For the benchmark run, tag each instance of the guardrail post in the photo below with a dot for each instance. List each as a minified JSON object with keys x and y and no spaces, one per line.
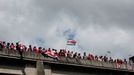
{"x":40,"y":68}
{"x":47,"y":69}
{"x":30,"y":70}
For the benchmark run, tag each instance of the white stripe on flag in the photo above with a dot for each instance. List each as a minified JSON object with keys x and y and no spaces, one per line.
{"x":71,"y":42}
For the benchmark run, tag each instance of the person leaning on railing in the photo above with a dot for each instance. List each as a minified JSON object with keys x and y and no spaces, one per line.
{"x":75,"y":55}
{"x":105,"y":59}
{"x":62,"y":53}
{"x":36,"y":51}
{"x":90,"y":57}
{"x":30,"y":48}
{"x":111,"y":60}
{"x":2,"y":44}
{"x":79,"y":56}
{"x":69,"y":54}
{"x":125,"y":61}
{"x":8,"y":46}
{"x":12,"y":47}
{"x":18,"y":48}
{"x":96,"y":58}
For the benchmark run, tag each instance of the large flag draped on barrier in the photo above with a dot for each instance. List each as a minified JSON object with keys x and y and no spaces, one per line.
{"x":50,"y":53}
{"x":71,"y":42}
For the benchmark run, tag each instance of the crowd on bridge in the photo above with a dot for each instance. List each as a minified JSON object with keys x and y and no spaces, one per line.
{"x":53,"y":53}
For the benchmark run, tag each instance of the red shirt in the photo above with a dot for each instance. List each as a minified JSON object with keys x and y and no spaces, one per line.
{"x":11,"y":46}
{"x":36,"y":50}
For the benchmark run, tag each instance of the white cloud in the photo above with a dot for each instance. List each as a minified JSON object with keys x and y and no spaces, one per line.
{"x":97,"y":26}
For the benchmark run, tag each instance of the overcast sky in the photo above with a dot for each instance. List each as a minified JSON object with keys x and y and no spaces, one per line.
{"x":98,"y":26}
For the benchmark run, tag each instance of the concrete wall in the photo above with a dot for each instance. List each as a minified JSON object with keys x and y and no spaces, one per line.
{"x":73,"y":70}
{"x":11,"y":71}
{"x":30,"y":71}
{"x":68,"y":73}
{"x":40,"y":68}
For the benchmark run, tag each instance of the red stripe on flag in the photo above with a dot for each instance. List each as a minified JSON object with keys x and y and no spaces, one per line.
{"x":71,"y":42}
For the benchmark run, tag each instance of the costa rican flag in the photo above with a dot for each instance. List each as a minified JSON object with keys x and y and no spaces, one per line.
{"x":51,"y":54}
{"x":71,"y":42}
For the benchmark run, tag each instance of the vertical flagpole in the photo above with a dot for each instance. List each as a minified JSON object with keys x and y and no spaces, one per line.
{"x":66,"y":45}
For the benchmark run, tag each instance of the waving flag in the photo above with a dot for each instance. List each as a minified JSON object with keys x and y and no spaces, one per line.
{"x":71,"y":42}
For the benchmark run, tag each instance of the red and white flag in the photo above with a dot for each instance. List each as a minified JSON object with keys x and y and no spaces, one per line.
{"x":50,"y":53}
{"x":71,"y":42}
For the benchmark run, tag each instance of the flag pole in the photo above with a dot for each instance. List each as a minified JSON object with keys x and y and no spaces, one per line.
{"x":66,"y":45}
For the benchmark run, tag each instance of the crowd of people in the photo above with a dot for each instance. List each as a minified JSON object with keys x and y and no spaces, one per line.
{"x":57,"y":54}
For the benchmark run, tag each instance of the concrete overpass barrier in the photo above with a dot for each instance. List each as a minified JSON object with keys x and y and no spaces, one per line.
{"x":97,"y":63}
{"x":107,"y":64}
{"x":133,"y":66}
{"x":117,"y":66}
{"x":123,"y":66}
{"x":14,"y":53}
{"x":82,"y":62}
{"x":63,"y":60}
{"x":49,"y":59}
{"x":31,"y":55}
{"x":11,"y":71}
{"x":129,"y":67}
{"x":4,"y":51}
{"x":72,"y":61}
{"x":88,"y":62}
{"x":93,"y":63}
{"x":9,"y":53}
